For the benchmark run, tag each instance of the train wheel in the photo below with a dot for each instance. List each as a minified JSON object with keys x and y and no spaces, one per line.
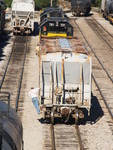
{"x":111,"y":22}
{"x":22,"y":145}
{"x":87,"y":12}
{"x":22,"y":33}
{"x":73,"y":13}
{"x":76,"y":116}
{"x":103,"y":15}
{"x":106,"y":16}
{"x":52,"y":116}
{"x":78,"y":14}
{"x":13,"y":33}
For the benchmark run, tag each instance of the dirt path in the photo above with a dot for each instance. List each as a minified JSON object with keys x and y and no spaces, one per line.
{"x":32,"y":128}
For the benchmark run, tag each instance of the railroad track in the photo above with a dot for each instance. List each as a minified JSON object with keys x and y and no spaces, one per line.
{"x":102,"y":101}
{"x":102,"y":70}
{"x":67,"y":5}
{"x":63,"y":136}
{"x":61,"y":133}
{"x":10,"y":83}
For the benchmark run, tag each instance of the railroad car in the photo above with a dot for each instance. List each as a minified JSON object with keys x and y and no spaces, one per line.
{"x":65,"y":76}
{"x":107,"y":8}
{"x":110,"y":18}
{"x":11,"y":136}
{"x":22,"y":16}
{"x":54,"y":22}
{"x":80,"y":6}
{"x":2,"y":15}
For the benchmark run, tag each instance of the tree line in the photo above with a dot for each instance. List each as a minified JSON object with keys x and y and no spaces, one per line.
{"x":39,"y":4}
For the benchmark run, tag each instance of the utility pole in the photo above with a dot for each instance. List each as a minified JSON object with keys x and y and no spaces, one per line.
{"x":51,"y":2}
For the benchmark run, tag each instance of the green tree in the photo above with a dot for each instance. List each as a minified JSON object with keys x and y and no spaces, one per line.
{"x":39,"y":4}
{"x":8,"y":2}
{"x":96,"y":3}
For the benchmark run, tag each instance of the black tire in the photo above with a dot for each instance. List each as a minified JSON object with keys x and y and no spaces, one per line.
{"x":103,"y":15}
{"x":78,"y":14}
{"x":87,"y":11}
{"x":110,"y":22}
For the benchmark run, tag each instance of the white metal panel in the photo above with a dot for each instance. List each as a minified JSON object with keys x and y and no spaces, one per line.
{"x":25,"y":1}
{"x":72,"y":71}
{"x":73,"y":78}
{"x":22,"y":7}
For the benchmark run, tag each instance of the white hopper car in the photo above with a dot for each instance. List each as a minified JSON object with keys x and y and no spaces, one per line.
{"x":65,"y":78}
{"x":22,"y":16}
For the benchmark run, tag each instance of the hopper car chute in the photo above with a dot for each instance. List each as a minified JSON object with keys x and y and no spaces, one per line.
{"x":65,"y":78}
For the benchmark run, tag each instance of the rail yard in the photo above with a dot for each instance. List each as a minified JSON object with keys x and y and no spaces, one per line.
{"x":20,"y":70}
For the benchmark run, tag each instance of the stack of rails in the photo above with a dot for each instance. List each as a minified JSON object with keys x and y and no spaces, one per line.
{"x":65,"y":68}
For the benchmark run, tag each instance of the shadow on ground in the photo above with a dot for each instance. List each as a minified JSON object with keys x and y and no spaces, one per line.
{"x":36,"y":29}
{"x":4,"y":37}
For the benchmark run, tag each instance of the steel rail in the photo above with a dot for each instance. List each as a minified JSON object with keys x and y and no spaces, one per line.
{"x":52,"y":137}
{"x":102,"y":36}
{"x":1,"y":83}
{"x":103,"y":97}
{"x":105,"y":101}
{"x":20,"y":81}
{"x":95,"y":54}
{"x":102,"y":27}
{"x":79,"y":137}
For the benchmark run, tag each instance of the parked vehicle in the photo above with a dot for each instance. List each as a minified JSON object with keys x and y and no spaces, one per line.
{"x":110,"y":18}
{"x":80,"y":6}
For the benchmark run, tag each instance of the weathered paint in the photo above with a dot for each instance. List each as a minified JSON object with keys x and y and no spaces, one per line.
{"x":22,"y":15}
{"x":71,"y":68}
